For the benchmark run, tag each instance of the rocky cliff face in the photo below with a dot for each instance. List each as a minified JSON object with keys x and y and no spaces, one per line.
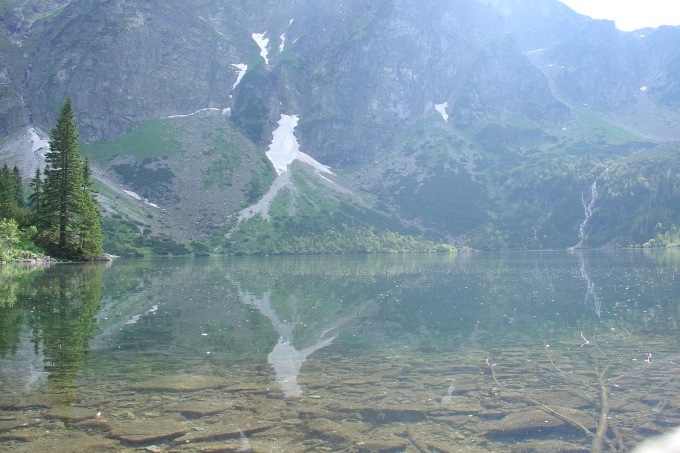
{"x":341,"y":65}
{"x":435,"y":109}
{"x":128,"y":62}
{"x":370,"y":70}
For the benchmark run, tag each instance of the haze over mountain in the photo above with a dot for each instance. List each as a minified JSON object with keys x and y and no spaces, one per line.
{"x":280,"y":126}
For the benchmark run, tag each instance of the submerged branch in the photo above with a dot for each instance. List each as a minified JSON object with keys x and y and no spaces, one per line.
{"x":564,"y":374}
{"x":557,"y":414}
{"x":603,"y":424}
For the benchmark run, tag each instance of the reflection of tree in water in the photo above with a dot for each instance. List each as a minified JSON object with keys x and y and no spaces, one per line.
{"x":64,"y":303}
{"x":13,"y":279}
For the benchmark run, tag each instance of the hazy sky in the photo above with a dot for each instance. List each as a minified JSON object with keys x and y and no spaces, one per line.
{"x":630,"y":14}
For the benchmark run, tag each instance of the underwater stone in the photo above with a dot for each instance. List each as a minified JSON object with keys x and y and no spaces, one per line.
{"x":181,"y":383}
{"x":537,"y":419}
{"x":205,"y":409}
{"x":141,"y":432}
{"x":549,"y":446}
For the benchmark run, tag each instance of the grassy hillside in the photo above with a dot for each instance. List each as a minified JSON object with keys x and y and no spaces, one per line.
{"x":308,"y":217}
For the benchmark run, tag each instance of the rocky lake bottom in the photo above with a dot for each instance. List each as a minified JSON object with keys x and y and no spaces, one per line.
{"x":541,"y":399}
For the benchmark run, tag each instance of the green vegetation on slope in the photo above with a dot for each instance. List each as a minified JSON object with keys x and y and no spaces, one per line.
{"x":541,"y":204}
{"x":17,"y":244}
{"x":152,"y":139}
{"x":311,"y":221}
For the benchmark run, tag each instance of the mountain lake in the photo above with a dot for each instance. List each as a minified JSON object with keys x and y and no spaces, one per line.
{"x":571,"y":351}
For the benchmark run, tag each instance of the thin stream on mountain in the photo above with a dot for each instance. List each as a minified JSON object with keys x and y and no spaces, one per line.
{"x":475,"y":352}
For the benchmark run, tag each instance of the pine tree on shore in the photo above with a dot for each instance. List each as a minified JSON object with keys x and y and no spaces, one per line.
{"x":91,"y":235}
{"x":67,"y":215}
{"x":36,"y":188}
{"x":18,"y":188}
{"x":7,"y":196}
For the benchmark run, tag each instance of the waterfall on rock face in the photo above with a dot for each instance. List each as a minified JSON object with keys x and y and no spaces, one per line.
{"x":588,"y":204}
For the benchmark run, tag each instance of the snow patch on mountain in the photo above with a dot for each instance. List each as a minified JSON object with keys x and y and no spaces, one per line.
{"x":283,"y":42}
{"x":262,"y":43}
{"x":209,"y":109}
{"x":132,"y":194}
{"x":37,"y":142}
{"x":284,"y":148}
{"x":441,"y":108}
{"x":242,"y":68}
{"x":283,"y":151}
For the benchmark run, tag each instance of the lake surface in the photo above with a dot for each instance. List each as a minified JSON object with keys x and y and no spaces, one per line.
{"x":543,"y":351}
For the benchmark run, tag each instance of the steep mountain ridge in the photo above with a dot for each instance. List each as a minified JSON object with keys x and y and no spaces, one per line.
{"x":476,"y":122}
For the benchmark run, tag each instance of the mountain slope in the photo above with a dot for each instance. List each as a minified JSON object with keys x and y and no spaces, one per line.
{"x":479,"y":122}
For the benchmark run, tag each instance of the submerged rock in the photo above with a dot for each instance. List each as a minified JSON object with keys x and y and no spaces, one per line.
{"x":532,"y":420}
{"x":204,"y":409}
{"x":144,"y":432}
{"x":550,"y":446}
{"x":225,"y":431}
{"x":181,"y":383}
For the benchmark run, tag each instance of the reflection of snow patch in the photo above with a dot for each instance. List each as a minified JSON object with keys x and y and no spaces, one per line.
{"x":245,"y":443}
{"x":262,"y":43}
{"x":448,"y":398}
{"x":285,"y":149}
{"x":643,"y":89}
{"x":283,"y":42}
{"x":135,"y":318}
{"x":441,"y":108}
{"x":242,"y":68}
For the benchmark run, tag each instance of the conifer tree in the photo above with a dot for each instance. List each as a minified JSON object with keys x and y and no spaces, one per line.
{"x":91,"y":235}
{"x":68,"y":218}
{"x":7,"y":198}
{"x":36,"y":187}
{"x":17,"y":183}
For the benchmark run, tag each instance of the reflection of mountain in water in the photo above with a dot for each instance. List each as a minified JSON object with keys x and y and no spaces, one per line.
{"x":285,"y":358}
{"x":287,"y":361}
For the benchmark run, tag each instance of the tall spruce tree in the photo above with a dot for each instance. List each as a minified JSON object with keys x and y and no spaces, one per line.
{"x":18,"y":187}
{"x":68,"y":218}
{"x":36,"y":189}
{"x":91,"y":234}
{"x":7,"y":195}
